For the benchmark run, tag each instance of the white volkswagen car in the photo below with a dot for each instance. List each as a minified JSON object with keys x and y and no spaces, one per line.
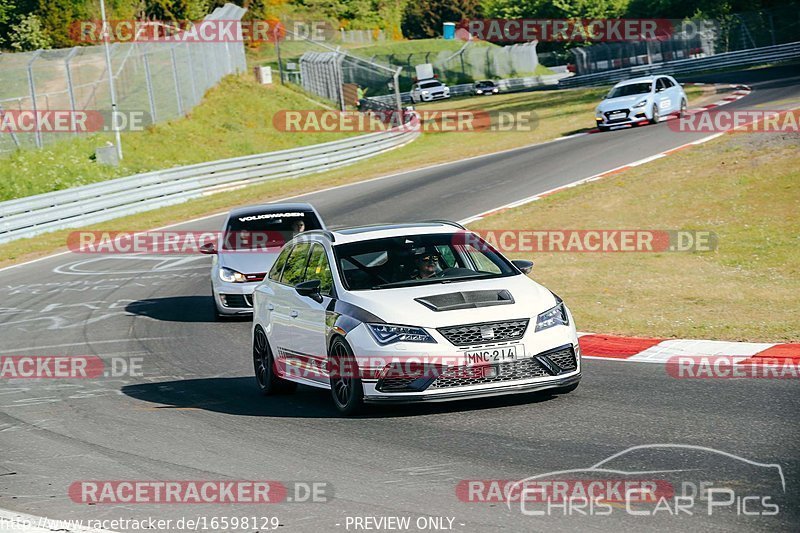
{"x":639,"y":101}
{"x":408,"y":313}
{"x":251,"y":239}
{"x":429,"y":90}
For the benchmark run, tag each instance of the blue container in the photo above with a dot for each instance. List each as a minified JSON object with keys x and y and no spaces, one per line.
{"x":449,"y":30}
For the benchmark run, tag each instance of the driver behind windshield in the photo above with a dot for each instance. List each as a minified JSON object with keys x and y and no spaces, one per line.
{"x":427,"y":264}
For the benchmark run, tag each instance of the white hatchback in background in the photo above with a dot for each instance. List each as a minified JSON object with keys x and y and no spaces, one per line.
{"x":252,"y":237}
{"x":346,"y":310}
{"x":429,"y":90}
{"x":639,"y":101}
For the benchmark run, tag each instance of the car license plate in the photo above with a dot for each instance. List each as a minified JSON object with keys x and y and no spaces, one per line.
{"x":501,"y":354}
{"x":615,"y":116}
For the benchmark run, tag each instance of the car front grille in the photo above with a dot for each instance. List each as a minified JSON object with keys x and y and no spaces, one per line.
{"x":239,"y":301}
{"x":486,"y":332}
{"x":622,"y":119}
{"x":464,"y":376}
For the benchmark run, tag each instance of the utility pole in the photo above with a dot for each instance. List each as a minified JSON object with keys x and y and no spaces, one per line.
{"x":110,"y":80}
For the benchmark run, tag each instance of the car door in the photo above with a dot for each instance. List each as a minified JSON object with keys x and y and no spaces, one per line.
{"x":308,"y":322}
{"x":282,"y":301}
{"x":663,"y":97}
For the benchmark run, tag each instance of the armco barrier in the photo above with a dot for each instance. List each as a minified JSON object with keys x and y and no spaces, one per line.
{"x":741,"y":58}
{"x":89,"y":204}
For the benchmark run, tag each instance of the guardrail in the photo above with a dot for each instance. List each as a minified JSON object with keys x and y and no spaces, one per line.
{"x":506,"y":85}
{"x":741,"y":58}
{"x":89,"y":204}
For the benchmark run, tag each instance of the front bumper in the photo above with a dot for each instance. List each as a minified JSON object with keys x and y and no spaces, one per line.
{"x":629,"y":116}
{"x":437,"y":96}
{"x":234,"y":298}
{"x":515,"y":388}
{"x":548,"y":359}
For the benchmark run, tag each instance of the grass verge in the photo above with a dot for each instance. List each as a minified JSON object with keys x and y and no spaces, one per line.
{"x":234,"y":119}
{"x":743,"y":187}
{"x":559,"y":113}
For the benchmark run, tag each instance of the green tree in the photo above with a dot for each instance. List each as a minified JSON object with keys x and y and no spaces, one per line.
{"x":28,"y":34}
{"x":424,"y":19}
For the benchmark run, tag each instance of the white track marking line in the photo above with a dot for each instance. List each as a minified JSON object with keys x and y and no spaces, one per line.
{"x":88,"y":343}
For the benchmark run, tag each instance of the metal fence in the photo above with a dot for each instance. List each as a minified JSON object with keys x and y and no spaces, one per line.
{"x":738,"y":59}
{"x":696,"y":38}
{"x":81,"y":206}
{"x":471,"y":62}
{"x":163,"y":80}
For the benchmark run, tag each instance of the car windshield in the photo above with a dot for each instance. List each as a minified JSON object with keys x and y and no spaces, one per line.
{"x":418,"y":260}
{"x":630,"y":90}
{"x":430,"y":85}
{"x":484,"y":84}
{"x":267,"y":229}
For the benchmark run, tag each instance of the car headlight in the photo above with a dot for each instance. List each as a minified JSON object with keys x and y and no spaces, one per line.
{"x":640,"y":104}
{"x":495,"y":90}
{"x":424,"y":92}
{"x":555,"y":316}
{"x":390,"y":333}
{"x":479,"y":91}
{"x":231,"y":276}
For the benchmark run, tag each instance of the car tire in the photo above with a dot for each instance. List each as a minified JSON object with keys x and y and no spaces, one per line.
{"x":682,"y":110}
{"x":346,"y":389}
{"x":655,"y":118}
{"x":567,"y":389}
{"x":264,"y":367}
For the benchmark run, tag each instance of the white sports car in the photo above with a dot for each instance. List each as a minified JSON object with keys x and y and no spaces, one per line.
{"x":251,"y":239}
{"x":407,"y":313}
{"x":641,"y":100}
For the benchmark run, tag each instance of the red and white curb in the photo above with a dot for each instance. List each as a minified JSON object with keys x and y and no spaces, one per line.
{"x":650,"y":350}
{"x":740,"y":92}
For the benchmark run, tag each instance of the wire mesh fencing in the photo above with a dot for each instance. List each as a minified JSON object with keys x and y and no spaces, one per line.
{"x":160,"y":80}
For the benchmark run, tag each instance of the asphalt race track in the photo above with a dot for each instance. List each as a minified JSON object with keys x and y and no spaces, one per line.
{"x":197,"y":413}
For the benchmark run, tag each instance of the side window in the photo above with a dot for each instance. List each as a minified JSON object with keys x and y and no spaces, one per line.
{"x":277,"y":268}
{"x":447,"y":255}
{"x":668,"y":83}
{"x":319,"y":268}
{"x":660,"y":85}
{"x":483,"y":263}
{"x":295,"y":265}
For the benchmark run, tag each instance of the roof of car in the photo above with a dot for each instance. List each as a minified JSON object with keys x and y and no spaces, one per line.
{"x":270,"y":208}
{"x":379,"y":231}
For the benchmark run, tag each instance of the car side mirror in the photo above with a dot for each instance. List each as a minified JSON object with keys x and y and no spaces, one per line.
{"x":523,"y":265}
{"x":311,"y":289}
{"x":208,"y":249}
